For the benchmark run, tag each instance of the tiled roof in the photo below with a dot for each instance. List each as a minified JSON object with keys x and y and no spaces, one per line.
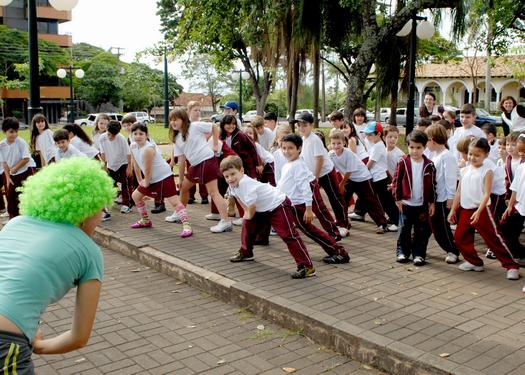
{"x":502,"y":67}
{"x":184,"y":98}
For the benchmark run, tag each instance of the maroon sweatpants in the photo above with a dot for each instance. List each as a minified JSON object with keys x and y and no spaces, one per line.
{"x":510,"y":229}
{"x":486,"y":227}
{"x":329,"y":245}
{"x":367,"y":196}
{"x":329,"y":183}
{"x":11,"y":193}
{"x":127,"y":184}
{"x":282,"y":221}
{"x":321,"y":211}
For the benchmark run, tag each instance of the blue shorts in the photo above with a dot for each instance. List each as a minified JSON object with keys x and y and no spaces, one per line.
{"x":15,"y":354}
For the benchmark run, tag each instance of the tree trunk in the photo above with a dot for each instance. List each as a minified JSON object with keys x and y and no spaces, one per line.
{"x":392,"y":120}
{"x":293,"y":87}
{"x":315,"y":107}
{"x":358,"y":74}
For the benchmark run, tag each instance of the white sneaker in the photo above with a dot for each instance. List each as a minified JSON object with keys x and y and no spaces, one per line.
{"x":466,"y":266}
{"x":238,"y":222}
{"x":273,"y":232}
{"x":173,"y":218}
{"x":392,"y":228}
{"x":513,"y":274}
{"x":354,"y":216}
{"x":214,"y":217}
{"x":223,"y":226}
{"x":343,"y":232}
{"x":418,"y":261}
{"x":125,"y":209}
{"x":380,"y":230}
{"x":453,"y":226}
{"x":451,"y":258}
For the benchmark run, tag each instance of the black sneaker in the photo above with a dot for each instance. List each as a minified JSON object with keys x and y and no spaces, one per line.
{"x":303,"y":272}
{"x":204,"y":201}
{"x":489,"y":254}
{"x":191,"y":200}
{"x":336,"y":259}
{"x":238,"y":257}
{"x":261,"y":243}
{"x":158,"y":208}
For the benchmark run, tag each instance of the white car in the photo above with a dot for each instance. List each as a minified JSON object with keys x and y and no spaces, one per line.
{"x":310,"y":111}
{"x":248,"y":116}
{"x":142,"y":117}
{"x":90,"y":119}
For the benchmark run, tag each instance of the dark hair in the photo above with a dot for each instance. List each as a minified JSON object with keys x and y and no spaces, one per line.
{"x":293,"y":138}
{"x":481,"y":143}
{"x":438,"y":133}
{"x":270,"y":116}
{"x":391,"y":129}
{"x":430,"y":93}
{"x":446,"y":124}
{"x":10,"y":123}
{"x":114,"y":127}
{"x":129,"y":119}
{"x":61,"y":135}
{"x":359,"y":112}
{"x":417,"y":136}
{"x":140,"y":126}
{"x":504,"y":99}
{"x":77,"y":130}
{"x":434,"y":118}
{"x":34,"y":130}
{"x":226,"y":120}
{"x":337,"y":116}
{"x":490,"y":129}
{"x":185,"y":128}
{"x":353,"y":132}
{"x":424,"y":122}
{"x":468,"y":109}
{"x":321,"y":136}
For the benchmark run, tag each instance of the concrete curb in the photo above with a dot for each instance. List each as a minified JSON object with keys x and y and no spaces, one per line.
{"x":359,"y":344}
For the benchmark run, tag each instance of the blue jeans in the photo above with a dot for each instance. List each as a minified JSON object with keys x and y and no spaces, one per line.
{"x":416,"y":218}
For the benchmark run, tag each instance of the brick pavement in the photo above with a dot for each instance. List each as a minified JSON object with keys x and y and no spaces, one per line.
{"x":149,"y":323}
{"x":450,"y":320}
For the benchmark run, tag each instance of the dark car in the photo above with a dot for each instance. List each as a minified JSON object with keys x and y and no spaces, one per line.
{"x":482,"y":118}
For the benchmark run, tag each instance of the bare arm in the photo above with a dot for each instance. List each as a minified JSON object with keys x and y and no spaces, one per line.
{"x":455,"y":205}
{"x":319,"y":161}
{"x":487,"y":188}
{"x":148,"y":161}
{"x":88,"y":294}
{"x":182,"y":168}
{"x":19,"y":165}
{"x":249,"y":212}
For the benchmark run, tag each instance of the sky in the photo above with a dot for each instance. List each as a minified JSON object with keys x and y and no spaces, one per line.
{"x":131,"y":25}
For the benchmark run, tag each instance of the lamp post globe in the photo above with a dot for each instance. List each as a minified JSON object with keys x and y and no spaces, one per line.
{"x":4,"y":3}
{"x":425,"y":30}
{"x":61,"y":73}
{"x":405,"y":30}
{"x":245,"y":75}
{"x":63,"y":4}
{"x":79,"y":73}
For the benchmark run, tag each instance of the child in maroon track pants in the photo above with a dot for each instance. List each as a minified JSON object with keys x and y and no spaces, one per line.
{"x":472,"y":212}
{"x":264,"y":206}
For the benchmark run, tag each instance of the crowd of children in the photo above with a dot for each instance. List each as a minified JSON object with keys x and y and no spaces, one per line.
{"x":465,"y":177}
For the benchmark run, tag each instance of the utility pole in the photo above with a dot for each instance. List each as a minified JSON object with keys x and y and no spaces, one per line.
{"x":118,"y":51}
{"x":166,"y":91}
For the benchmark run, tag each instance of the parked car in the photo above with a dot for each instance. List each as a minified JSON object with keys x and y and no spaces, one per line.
{"x":216,"y":117}
{"x":482,"y":118}
{"x":90,"y":119}
{"x":401,"y":116}
{"x":142,"y":117}
{"x":248,"y":116}
{"x":369,"y":115}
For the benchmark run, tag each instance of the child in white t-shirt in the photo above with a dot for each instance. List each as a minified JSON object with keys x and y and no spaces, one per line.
{"x":65,"y":149}
{"x":492,"y":137}
{"x":42,"y":142}
{"x":100,"y":127}
{"x":394,"y":153}
{"x":467,"y":116}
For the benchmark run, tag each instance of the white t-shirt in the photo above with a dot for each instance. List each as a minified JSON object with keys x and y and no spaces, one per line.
{"x":416,"y":199}
{"x":71,"y":151}
{"x":447,"y":171}
{"x":362,"y":136}
{"x":360,"y":150}
{"x":499,"y":186}
{"x":14,"y":152}
{"x":295,"y":182}
{"x":96,"y":140}
{"x":350,"y":162}
{"x":518,"y":122}
{"x":266,"y":139}
{"x":494,"y":154}
{"x":514,"y":164}
{"x":195,"y":148}
{"x":45,"y":144}
{"x":472,"y":186}
{"x":159,"y":168}
{"x":278,"y":163}
{"x":378,"y":154}
{"x":461,"y":133}
{"x":265,"y":196}
{"x":392,"y":157}
{"x":84,"y":148}
{"x":312,"y":148}
{"x":265,"y":155}
{"x":116,"y":151}
{"x":518,"y":185}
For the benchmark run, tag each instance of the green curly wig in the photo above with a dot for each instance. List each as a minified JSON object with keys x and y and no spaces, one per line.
{"x":69,"y":191}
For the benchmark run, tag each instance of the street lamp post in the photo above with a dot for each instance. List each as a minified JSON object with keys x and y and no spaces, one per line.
{"x":32,"y":30}
{"x":242,"y":75}
{"x":62,"y":73}
{"x":166,"y":91}
{"x":424,"y":30}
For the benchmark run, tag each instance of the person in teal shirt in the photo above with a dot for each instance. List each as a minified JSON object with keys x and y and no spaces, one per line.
{"x":47,"y":251}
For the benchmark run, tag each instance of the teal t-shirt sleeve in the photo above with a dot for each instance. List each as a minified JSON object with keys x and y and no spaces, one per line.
{"x":95,"y":266}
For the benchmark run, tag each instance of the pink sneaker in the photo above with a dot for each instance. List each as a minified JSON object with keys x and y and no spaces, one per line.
{"x":142,"y":224}
{"x":186,"y":231}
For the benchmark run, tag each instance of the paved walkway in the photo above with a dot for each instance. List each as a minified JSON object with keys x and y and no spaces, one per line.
{"x":149,"y":323}
{"x":452,"y":321}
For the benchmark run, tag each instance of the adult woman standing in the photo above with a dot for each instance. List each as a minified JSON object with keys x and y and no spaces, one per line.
{"x":506,"y":105}
{"x":430,"y":108}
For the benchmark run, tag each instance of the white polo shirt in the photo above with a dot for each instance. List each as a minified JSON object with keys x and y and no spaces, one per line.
{"x":115,"y":151}
{"x":378,"y":154}
{"x":14,"y":152}
{"x":265,"y":197}
{"x":71,"y":151}
{"x":312,"y":148}
{"x":266,"y":139}
{"x":392,"y":158}
{"x":348,"y":162}
{"x":195,"y":148}
{"x":295,"y":182}
{"x":84,"y":148}
{"x":446,"y":174}
{"x":279,"y":162}
{"x":45,"y":144}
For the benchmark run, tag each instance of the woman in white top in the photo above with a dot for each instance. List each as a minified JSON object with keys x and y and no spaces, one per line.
{"x":506,"y":105}
{"x":42,"y":142}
